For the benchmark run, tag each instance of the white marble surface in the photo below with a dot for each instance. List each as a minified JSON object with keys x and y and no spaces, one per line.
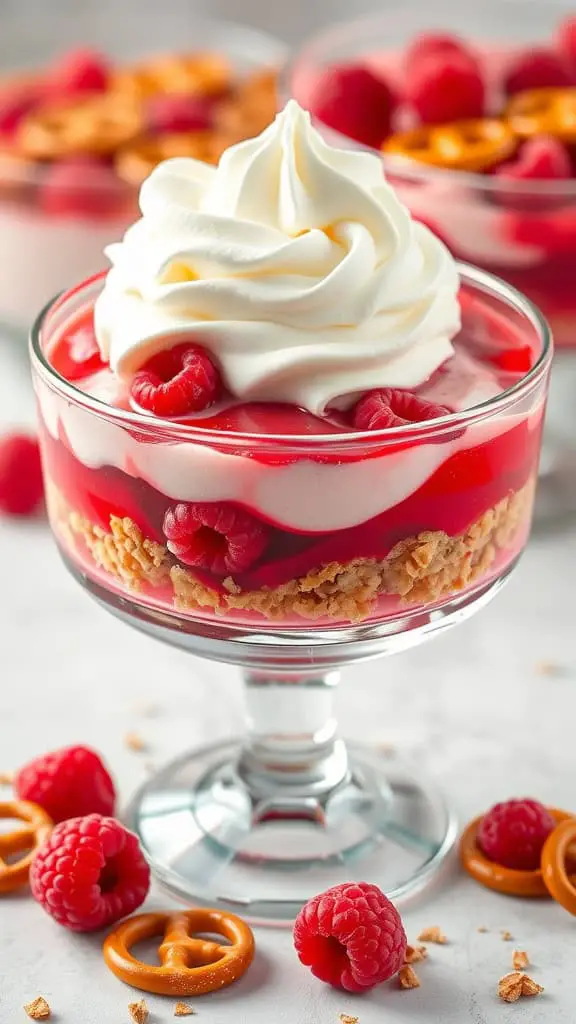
{"x":474,"y":706}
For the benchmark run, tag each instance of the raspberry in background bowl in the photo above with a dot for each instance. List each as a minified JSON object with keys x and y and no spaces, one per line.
{"x":512,"y":211}
{"x":80,"y":130}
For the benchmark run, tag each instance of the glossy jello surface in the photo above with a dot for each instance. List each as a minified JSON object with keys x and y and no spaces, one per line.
{"x":404,"y":474}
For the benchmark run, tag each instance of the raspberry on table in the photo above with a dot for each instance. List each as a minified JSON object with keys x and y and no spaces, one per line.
{"x":446,"y":86}
{"x":537,"y":69}
{"x":89,"y":873}
{"x":393,"y":407}
{"x":21,"y":485}
{"x":351,"y":937}
{"x":513,"y":833}
{"x":352,"y":100}
{"x":181,"y":380}
{"x":215,"y":535}
{"x":67,"y":783}
{"x":179,"y":113}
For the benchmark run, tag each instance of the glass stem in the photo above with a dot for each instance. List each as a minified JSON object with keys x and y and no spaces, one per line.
{"x":292,"y":752}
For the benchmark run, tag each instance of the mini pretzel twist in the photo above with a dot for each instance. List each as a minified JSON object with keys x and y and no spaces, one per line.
{"x":95,"y":126}
{"x":38,"y":826}
{"x":189,"y":965}
{"x":543,"y":112}
{"x":462,"y":146}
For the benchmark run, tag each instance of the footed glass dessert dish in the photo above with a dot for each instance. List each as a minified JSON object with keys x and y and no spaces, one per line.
{"x":288,"y":432}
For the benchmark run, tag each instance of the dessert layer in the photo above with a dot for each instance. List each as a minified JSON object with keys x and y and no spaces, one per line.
{"x":421,"y":569}
{"x":326,"y":490}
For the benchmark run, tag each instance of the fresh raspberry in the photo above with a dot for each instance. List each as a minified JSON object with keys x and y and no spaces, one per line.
{"x":351,"y":936}
{"x":353,"y":101}
{"x":21,"y":486}
{"x":183,"y":379}
{"x":566,"y":40}
{"x":392,"y":407}
{"x":536,"y":69}
{"x":81,"y":186}
{"x":543,"y":158}
{"x":179,"y":113}
{"x":447,"y":87}
{"x":67,"y":783}
{"x":215,"y":536}
{"x":15,"y":103}
{"x":79,"y":71}
{"x":433,"y":44}
{"x":89,"y":873}
{"x":513,"y":833}
{"x":552,"y":231}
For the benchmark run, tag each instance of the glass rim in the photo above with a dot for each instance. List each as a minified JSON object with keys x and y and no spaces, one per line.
{"x":29,"y":172}
{"x":472,"y":276}
{"x":406,"y":167}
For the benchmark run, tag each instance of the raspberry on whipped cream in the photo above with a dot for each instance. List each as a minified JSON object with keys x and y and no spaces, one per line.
{"x":297,"y":410}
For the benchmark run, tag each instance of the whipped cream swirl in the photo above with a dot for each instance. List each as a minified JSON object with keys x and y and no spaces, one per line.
{"x":292,"y":262}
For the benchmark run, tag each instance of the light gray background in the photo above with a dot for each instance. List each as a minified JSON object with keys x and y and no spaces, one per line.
{"x":475,"y":707}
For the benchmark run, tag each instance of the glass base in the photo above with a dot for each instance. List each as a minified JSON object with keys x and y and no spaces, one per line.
{"x":213,"y":839}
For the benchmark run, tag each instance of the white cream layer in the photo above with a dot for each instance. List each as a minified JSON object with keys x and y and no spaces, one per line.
{"x":305,"y":496}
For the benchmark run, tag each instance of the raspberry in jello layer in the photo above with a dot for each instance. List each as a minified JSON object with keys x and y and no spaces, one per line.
{"x":283,"y":403}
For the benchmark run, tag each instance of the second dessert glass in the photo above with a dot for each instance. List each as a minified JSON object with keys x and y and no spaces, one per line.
{"x":521,"y":230}
{"x":53,"y":224}
{"x":262,"y":823}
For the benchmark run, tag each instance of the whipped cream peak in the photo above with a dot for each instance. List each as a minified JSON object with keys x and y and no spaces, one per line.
{"x":293,"y":263}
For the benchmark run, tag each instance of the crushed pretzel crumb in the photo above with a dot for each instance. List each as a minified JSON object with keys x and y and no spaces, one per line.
{"x":38,"y":1009}
{"x":506,"y":935}
{"x":408,"y":978}
{"x":386,"y":749}
{"x":549,"y":668}
{"x":183,"y":1010}
{"x":6,"y":778}
{"x":520,"y":959}
{"x":138,"y":1011}
{"x":347,"y":1019}
{"x":514,"y":986}
{"x":135,"y":742}
{"x":433,"y":934}
{"x":482,"y":930}
{"x":414,"y":954}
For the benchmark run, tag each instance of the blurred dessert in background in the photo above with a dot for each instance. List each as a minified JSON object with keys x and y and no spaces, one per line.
{"x":478,"y":134}
{"x":78,"y":137}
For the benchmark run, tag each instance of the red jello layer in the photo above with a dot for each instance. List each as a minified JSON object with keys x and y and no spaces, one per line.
{"x":465,"y":486}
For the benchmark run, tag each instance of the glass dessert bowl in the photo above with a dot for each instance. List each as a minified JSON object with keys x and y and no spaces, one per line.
{"x":78,"y":136}
{"x":245,"y":469}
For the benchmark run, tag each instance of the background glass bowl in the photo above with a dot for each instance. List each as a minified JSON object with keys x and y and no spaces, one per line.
{"x":483,"y":221}
{"x":45,"y":248}
{"x":263,"y":823}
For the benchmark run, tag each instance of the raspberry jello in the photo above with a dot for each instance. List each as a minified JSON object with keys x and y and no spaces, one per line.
{"x":283,"y":403}
{"x":474,"y":125}
{"x":78,"y":136}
